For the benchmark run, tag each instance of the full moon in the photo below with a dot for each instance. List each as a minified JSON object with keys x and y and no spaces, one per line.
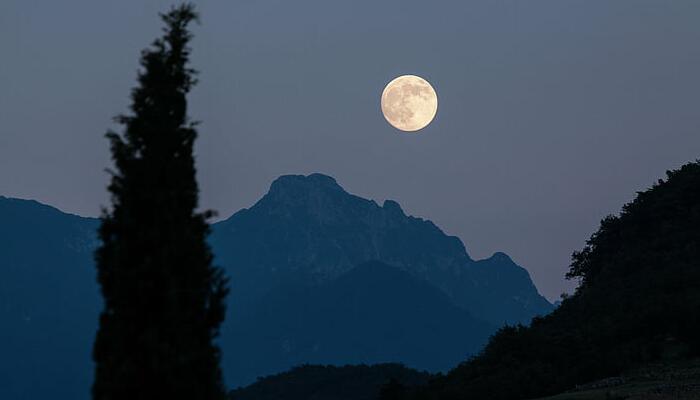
{"x":409,"y":103}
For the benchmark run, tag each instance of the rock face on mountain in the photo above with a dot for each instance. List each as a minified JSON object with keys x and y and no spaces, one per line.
{"x":307,"y":234}
{"x":374,"y":313}
{"x":301,"y":289}
{"x":307,"y":228}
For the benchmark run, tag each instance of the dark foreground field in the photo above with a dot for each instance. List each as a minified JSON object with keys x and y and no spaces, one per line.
{"x":680,"y":381}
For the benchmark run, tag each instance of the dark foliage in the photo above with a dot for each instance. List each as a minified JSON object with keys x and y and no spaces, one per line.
{"x":317,"y":382}
{"x":392,"y":390}
{"x":638,"y":302}
{"x":163,"y":301}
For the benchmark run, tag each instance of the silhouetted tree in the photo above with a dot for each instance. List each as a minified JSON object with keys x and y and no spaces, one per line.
{"x":163,"y":300}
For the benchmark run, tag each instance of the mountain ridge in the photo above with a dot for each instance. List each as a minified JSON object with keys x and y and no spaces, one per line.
{"x":307,"y":231}
{"x":300,"y":212}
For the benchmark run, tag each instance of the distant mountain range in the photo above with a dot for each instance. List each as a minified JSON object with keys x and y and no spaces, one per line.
{"x":374,"y":313}
{"x":307,"y":228}
{"x":308,"y":231}
{"x":317,"y":275}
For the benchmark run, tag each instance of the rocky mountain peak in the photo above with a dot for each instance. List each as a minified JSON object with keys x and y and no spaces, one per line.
{"x":501,"y":257}
{"x":393,"y":207}
{"x":321,"y":195}
{"x":308,"y":228}
{"x":290,"y":186}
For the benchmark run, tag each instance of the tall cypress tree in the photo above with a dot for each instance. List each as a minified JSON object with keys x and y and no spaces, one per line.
{"x":163,"y":299}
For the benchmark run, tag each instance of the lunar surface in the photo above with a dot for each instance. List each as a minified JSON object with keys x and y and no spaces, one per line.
{"x":409,"y":103}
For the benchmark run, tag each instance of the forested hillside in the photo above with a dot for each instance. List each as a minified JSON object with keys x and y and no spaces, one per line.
{"x":326,"y":382}
{"x":638,"y":302}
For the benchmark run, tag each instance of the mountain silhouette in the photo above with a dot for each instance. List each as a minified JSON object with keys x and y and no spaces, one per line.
{"x":49,"y":301}
{"x":300,"y":246}
{"x":309,"y":229}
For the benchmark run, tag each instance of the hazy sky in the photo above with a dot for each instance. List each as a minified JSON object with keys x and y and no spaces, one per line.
{"x":552,"y":113}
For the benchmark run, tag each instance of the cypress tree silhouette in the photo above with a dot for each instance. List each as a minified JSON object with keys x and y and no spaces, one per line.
{"x":163,"y":299}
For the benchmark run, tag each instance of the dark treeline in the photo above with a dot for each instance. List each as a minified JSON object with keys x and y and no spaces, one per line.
{"x":638,"y":302}
{"x":352,"y":382}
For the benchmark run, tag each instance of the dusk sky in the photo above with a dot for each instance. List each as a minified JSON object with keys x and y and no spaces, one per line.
{"x":552,"y":114}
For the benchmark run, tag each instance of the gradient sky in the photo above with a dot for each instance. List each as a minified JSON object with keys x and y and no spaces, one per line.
{"x":552,"y":113}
